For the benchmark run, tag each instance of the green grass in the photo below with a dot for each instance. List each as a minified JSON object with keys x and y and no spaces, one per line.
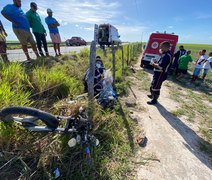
{"x":39,"y":154}
{"x":144,"y":80}
{"x":195,"y":99}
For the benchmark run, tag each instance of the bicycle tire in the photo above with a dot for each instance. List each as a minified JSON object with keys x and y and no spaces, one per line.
{"x":50,"y":120}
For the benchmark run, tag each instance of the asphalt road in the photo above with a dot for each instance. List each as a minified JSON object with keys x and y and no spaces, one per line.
{"x":18,"y":55}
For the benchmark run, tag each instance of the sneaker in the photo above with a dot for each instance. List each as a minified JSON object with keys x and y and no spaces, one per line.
{"x":28,"y":61}
{"x":150,"y":96}
{"x":152,"y":102}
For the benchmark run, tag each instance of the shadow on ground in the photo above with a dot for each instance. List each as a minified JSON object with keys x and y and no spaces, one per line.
{"x":194,"y":142}
{"x":127,"y":126}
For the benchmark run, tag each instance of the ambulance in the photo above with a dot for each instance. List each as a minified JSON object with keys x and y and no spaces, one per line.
{"x":153,"y":46}
{"x":108,"y":35}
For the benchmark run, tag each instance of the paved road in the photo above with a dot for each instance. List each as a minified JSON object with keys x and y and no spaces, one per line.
{"x":18,"y":55}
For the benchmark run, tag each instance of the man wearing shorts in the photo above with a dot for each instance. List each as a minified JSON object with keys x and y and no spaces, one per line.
{"x":37,"y":28}
{"x":198,"y":65}
{"x":160,"y":72}
{"x":3,"y":46}
{"x":54,"y":32}
{"x":183,"y":64}
{"x":20,"y":24}
{"x":207,"y":66}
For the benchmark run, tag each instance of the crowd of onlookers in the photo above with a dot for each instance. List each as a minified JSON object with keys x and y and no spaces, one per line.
{"x":182,"y":59}
{"x":179,"y":64}
{"x":21,"y":24}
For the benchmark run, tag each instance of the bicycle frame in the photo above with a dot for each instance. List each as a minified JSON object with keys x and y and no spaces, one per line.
{"x":78,"y":125}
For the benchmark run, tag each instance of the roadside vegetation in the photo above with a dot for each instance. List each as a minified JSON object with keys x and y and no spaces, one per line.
{"x":48,"y":84}
{"x":196,"y":98}
{"x":11,"y":45}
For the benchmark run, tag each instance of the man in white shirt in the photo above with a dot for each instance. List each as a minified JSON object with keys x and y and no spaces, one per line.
{"x":207,"y":65}
{"x":198,"y":65}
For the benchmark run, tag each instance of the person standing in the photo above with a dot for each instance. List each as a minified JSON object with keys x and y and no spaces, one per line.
{"x":54,"y":32}
{"x":198,"y":65}
{"x":37,"y":28}
{"x":183,"y":64}
{"x":177,"y":55}
{"x":3,"y":46}
{"x":160,"y":72}
{"x":21,"y":27}
{"x":207,"y":65}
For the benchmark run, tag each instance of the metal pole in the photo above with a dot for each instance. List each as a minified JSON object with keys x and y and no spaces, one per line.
{"x":91,"y":81}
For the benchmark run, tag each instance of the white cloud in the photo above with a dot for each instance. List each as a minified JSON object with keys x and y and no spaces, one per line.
{"x":89,"y":28}
{"x":178,"y":19}
{"x":127,"y":30}
{"x":170,"y":27}
{"x":73,"y":11}
{"x":204,"y":16}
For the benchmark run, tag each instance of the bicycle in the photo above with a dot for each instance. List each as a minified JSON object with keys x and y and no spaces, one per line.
{"x":77,"y":125}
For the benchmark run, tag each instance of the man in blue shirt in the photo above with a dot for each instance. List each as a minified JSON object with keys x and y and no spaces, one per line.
{"x":20,"y":24}
{"x":160,"y":72}
{"x":54,"y":32}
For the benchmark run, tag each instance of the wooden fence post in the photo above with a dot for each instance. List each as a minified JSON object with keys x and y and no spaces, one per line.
{"x":122,"y":50}
{"x":128,"y":54}
{"x":114,"y":64}
{"x":91,"y":80}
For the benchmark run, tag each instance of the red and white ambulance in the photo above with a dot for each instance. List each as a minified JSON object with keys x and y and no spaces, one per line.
{"x":152,"y":48}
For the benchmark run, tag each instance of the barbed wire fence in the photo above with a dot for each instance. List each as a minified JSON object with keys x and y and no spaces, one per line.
{"x":130,"y":50}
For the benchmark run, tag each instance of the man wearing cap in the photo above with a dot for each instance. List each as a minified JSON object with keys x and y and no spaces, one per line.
{"x":20,"y":24}
{"x":160,"y":72}
{"x":37,"y":28}
{"x":54,"y":32}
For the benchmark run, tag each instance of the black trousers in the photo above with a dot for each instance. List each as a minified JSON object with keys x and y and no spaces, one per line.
{"x":41,"y":39}
{"x":157,"y":81}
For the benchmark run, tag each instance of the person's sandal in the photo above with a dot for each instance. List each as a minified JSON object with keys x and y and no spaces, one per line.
{"x":141,"y":140}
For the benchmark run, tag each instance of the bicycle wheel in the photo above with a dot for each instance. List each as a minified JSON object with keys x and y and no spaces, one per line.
{"x":13,"y":113}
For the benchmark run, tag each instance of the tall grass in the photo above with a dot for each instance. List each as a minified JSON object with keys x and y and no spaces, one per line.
{"x":44,"y":79}
{"x":14,"y":85}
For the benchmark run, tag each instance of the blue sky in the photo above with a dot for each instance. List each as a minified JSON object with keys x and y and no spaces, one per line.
{"x":135,"y":19}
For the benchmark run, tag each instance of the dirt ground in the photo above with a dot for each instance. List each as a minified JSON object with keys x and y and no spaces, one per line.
{"x":172,"y":150}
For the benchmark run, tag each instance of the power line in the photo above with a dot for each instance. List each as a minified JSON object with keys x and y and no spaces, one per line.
{"x":139,"y":14}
